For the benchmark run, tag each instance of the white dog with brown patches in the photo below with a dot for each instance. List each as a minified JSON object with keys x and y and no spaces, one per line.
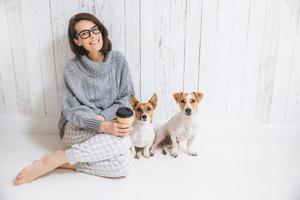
{"x":143,"y":134}
{"x":183,"y":126}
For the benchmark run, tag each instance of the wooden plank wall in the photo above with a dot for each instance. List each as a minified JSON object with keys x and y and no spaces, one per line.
{"x":242,"y":54}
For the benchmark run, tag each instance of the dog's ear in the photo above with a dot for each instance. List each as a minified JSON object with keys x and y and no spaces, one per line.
{"x":133,"y":102}
{"x":198,"y":96}
{"x":153,"y":100}
{"x":177,"y":95}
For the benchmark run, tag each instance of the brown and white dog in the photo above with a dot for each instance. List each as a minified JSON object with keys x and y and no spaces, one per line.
{"x":182,"y":126}
{"x":143,"y":133}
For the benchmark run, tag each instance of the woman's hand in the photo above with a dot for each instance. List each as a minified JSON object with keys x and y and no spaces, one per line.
{"x":100,"y":117}
{"x":115,"y":128}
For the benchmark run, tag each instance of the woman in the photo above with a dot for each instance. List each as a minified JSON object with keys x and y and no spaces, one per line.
{"x":95,"y":84}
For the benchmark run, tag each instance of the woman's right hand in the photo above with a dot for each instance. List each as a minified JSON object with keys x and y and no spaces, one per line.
{"x":115,"y":128}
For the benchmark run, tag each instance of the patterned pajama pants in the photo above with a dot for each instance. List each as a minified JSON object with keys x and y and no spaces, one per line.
{"x":97,"y":154}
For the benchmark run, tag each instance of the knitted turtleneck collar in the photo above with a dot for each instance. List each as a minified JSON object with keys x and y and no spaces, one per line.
{"x":93,"y":68}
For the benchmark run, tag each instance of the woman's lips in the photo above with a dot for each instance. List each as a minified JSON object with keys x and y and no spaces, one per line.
{"x":94,"y":42}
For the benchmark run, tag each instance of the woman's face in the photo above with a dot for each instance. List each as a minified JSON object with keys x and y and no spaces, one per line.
{"x":89,"y":36}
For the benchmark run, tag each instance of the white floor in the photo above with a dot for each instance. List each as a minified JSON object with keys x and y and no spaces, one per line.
{"x":227,"y":167}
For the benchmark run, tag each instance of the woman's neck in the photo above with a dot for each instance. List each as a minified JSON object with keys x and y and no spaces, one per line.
{"x":96,"y":56}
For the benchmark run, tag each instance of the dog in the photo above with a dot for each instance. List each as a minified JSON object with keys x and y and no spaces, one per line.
{"x":143,"y":133}
{"x":182,"y":127}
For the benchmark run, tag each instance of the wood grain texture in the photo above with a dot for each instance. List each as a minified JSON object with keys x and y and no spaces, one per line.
{"x":243,"y":55}
{"x":8,"y":87}
{"x":20,"y":67}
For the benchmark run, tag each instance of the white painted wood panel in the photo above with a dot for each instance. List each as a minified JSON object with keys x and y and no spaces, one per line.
{"x":15,"y":29}
{"x":87,"y":6}
{"x":268,"y":59}
{"x":289,"y":19}
{"x":256,"y":22}
{"x":8,"y":86}
{"x":162,"y":60}
{"x":208,"y":46}
{"x":40,"y":58}
{"x":293,"y":100}
{"x":133,"y":42}
{"x":243,"y":55}
{"x":236,"y":67}
{"x":46,"y":57}
{"x":192,"y":45}
{"x":147,"y":49}
{"x":221,"y":58}
{"x":33,"y":58}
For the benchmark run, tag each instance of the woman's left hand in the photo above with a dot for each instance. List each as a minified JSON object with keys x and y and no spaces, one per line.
{"x":100,"y":117}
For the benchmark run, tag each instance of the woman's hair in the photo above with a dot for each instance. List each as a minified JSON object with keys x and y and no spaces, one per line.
{"x":79,"y":50}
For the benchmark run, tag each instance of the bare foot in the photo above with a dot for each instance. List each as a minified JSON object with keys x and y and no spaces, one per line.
{"x":67,"y":166}
{"x":40,"y":167}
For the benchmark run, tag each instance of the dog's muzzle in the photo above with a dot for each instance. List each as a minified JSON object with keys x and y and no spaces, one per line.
{"x":188,"y":112}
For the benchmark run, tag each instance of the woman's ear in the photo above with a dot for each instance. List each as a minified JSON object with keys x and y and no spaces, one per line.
{"x":78,"y":42}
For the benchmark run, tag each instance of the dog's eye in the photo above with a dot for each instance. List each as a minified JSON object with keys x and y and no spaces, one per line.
{"x":139,"y":110}
{"x":148,"y":108}
{"x":193,"y":101}
{"x":182,"y":101}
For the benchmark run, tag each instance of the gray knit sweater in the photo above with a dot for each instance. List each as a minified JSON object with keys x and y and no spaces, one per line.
{"x":91,"y":88}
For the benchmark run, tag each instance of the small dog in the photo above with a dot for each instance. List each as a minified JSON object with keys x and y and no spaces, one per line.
{"x":182,"y":126}
{"x":143,"y":133}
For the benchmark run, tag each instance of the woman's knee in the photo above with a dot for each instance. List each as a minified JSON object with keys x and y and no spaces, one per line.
{"x":122,"y":144}
{"x":124,"y":164}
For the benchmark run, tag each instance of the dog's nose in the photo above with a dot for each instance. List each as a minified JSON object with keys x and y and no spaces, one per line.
{"x":188,"y":111}
{"x":144,"y":117}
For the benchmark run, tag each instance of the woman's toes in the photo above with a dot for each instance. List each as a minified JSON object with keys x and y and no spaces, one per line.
{"x":23,"y":171}
{"x":17,"y":181}
{"x":20,"y":175}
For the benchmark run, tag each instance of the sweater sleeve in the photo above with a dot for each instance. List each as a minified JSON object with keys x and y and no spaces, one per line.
{"x":75,"y":112}
{"x":126,"y":90}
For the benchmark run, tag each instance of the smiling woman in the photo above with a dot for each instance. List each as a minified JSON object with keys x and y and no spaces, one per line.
{"x":88,"y":35}
{"x":95,"y":84}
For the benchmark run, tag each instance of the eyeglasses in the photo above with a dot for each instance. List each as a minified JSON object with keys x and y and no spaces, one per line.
{"x":87,"y":33}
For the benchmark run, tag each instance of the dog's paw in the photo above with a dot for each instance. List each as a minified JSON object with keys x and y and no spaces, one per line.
{"x":164,"y":152}
{"x":151,"y":152}
{"x":146,"y":155}
{"x":138,"y":155}
{"x":174,"y":155}
{"x":192,"y":153}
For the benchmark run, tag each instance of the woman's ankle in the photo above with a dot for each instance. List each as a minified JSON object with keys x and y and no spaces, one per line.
{"x":57,"y":159}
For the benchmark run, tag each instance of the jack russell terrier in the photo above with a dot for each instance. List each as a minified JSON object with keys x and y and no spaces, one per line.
{"x":143,"y":133}
{"x":182,"y":126}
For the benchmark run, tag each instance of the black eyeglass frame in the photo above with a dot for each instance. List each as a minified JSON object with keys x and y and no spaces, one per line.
{"x":89,"y":32}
